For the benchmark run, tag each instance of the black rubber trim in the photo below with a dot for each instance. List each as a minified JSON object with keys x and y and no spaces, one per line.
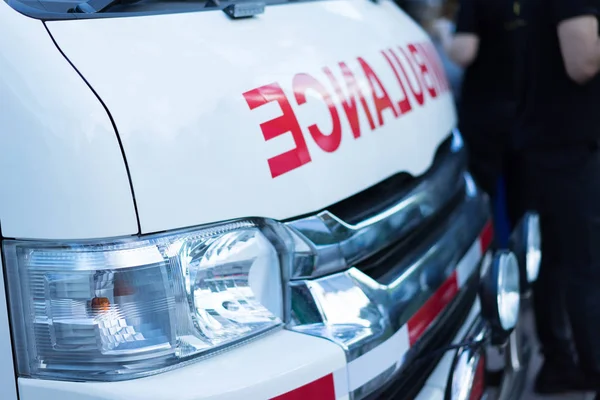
{"x":8,"y":314}
{"x":112,"y":121}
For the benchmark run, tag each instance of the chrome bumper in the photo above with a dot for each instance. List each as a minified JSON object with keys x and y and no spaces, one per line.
{"x":385,"y":293}
{"x":382,"y":323}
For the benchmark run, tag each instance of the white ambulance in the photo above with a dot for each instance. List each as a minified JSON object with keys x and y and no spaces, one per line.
{"x":225,"y":199}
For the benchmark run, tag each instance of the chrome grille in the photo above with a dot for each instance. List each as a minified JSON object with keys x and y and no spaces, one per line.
{"x":338,"y":243}
{"x":368,"y":278}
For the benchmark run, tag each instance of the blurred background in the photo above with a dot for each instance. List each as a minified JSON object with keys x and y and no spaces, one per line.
{"x":430,"y":14}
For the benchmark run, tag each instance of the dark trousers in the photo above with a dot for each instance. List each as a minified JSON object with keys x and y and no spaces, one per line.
{"x":564,"y":186}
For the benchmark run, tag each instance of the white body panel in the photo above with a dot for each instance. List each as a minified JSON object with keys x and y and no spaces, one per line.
{"x":255,"y":371}
{"x":174,"y":85}
{"x":62,"y":173}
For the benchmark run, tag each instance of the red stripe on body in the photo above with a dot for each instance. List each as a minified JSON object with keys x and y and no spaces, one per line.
{"x":486,"y":236}
{"x":478,"y":386}
{"x":418,"y":323}
{"x":321,"y":389}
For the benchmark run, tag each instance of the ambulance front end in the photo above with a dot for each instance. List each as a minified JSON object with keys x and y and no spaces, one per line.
{"x":243,"y":200}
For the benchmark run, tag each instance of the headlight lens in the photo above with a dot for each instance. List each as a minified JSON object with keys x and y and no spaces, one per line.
{"x":533,"y":255}
{"x":509,"y":296}
{"x":123,"y":309}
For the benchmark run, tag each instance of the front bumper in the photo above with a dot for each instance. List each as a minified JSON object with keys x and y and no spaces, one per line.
{"x":516,"y":356}
{"x":312,"y":368}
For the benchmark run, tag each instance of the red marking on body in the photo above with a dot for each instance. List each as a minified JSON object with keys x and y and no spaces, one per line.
{"x":422,"y":319}
{"x":478,"y":386}
{"x":349,"y":102}
{"x":281,"y":125}
{"x":382,"y":102}
{"x":432,"y":57}
{"x":404,"y":103}
{"x":486,"y":236}
{"x":426,"y":75}
{"x":327,"y":142}
{"x":321,"y":389}
{"x":416,"y":91}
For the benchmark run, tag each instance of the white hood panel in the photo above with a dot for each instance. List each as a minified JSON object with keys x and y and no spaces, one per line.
{"x":175,"y":87}
{"x":62,"y":173}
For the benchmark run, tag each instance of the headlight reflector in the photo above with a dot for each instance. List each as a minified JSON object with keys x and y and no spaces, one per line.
{"x":126,"y":308}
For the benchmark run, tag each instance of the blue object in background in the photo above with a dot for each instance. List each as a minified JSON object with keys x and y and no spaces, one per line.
{"x":500,"y":214}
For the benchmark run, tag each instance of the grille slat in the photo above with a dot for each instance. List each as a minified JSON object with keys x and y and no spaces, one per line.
{"x":356,"y":229}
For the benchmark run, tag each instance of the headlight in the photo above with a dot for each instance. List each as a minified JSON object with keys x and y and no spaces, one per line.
{"x":509,"y":296}
{"x":525,"y":242}
{"x":123,"y":309}
{"x":500,"y":293}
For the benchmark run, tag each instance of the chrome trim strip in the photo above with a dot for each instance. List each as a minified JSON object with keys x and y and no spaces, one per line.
{"x":359,"y":313}
{"x":338,"y":244}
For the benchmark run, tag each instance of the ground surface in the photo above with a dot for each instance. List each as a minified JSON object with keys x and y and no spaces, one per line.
{"x":529,"y":395}
{"x":535,"y":365}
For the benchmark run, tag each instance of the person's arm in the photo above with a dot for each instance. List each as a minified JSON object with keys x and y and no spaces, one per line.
{"x":462,"y":47}
{"x":578,"y":37}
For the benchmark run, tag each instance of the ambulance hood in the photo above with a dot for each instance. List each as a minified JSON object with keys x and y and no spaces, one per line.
{"x":276,"y":116}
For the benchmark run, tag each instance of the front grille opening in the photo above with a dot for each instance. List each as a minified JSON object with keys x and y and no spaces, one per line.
{"x":385,"y":194}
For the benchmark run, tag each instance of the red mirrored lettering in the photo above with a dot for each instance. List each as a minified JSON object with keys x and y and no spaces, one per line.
{"x":328,"y":142}
{"x":416,"y":91}
{"x":404,"y":104}
{"x":426,"y":74}
{"x":382,"y":102}
{"x":286,"y":122}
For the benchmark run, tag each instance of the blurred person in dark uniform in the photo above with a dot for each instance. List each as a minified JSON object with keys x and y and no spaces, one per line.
{"x":444,"y":22}
{"x":434,"y":15}
{"x":483,"y":43}
{"x":559,"y":129}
